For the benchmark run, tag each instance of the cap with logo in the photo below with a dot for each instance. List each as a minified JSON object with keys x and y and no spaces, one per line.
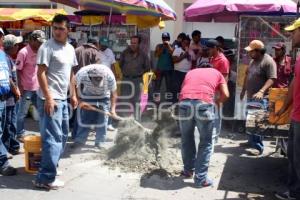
{"x":104,"y":41}
{"x":11,"y":40}
{"x":39,"y":36}
{"x":255,"y":45}
{"x":294,"y":26}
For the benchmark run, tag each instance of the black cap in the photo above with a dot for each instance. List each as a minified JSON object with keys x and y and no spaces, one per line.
{"x":165,"y":35}
{"x":212,"y":43}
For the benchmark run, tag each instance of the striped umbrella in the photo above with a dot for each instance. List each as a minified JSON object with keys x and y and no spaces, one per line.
{"x":157,"y":8}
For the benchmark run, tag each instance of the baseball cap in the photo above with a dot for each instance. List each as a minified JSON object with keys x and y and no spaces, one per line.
{"x":104,"y":41}
{"x":39,"y":35}
{"x":11,"y":40}
{"x":255,"y":44}
{"x":93,"y":40}
{"x":294,"y":26}
{"x":212,"y":43}
{"x":165,"y":35}
{"x":279,"y":45}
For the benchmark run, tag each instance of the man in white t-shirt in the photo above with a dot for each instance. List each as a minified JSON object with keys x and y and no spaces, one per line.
{"x":97,"y":86}
{"x":182,"y":64}
{"x":108,"y":59}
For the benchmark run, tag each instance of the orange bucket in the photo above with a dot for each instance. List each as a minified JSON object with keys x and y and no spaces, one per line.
{"x":33,"y":149}
{"x":277,"y":97}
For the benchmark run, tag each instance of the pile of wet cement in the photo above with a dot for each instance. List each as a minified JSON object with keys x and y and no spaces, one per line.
{"x":138,"y":149}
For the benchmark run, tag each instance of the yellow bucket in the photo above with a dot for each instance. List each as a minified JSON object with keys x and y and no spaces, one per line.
{"x":32,"y":147}
{"x":277,"y":97}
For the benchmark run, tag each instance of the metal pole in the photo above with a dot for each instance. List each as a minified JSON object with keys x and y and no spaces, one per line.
{"x":298,"y":7}
{"x":109,"y":22}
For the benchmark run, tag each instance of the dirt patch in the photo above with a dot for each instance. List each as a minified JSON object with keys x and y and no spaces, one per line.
{"x":138,"y":149}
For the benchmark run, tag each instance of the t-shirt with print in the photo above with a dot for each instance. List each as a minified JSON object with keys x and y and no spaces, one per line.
{"x":296,"y":95}
{"x":107,"y":57}
{"x":26,"y":65}
{"x":201,"y":84}
{"x":184,"y":65}
{"x":4,"y":75}
{"x":59,"y":58}
{"x":88,"y":89}
{"x":258,"y":73}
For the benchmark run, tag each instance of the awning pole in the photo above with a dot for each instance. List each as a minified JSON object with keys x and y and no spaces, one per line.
{"x":109,"y":22}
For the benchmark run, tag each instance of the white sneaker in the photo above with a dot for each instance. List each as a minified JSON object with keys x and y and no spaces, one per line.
{"x":110,"y":128}
{"x":59,"y":173}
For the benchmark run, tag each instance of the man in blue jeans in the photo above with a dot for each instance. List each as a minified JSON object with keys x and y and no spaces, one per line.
{"x":260,"y":76}
{"x":55,"y":60}
{"x":27,"y":77}
{"x":96,"y":86}
{"x":6,"y":86}
{"x":196,"y":108}
{"x":293,"y":98}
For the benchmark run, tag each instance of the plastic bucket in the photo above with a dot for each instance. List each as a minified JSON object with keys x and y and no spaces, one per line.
{"x":33,"y":149}
{"x":277,"y":97}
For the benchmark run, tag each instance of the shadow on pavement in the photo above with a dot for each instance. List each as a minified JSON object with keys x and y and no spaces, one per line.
{"x":264,"y":176}
{"x":162,"y":180}
{"x":21,"y":181}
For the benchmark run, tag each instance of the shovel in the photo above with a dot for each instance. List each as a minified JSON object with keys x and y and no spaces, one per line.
{"x":87,"y":106}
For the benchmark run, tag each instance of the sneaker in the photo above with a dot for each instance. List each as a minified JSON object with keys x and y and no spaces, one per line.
{"x":59,"y":173}
{"x":110,"y":128}
{"x":8,"y":171}
{"x":14,"y":152}
{"x":187,"y":174}
{"x":205,"y":183}
{"x":284,"y":196}
{"x":55,"y":185}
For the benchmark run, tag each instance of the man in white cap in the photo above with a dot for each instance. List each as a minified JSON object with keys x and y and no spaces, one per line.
{"x":11,"y":46}
{"x":294,"y":135}
{"x":5,"y":168}
{"x":27,"y":77}
{"x":260,"y":76}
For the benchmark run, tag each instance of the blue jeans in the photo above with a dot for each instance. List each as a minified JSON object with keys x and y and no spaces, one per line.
{"x":217,"y":124}
{"x":24,"y":104}
{"x":3,"y":150}
{"x":10,"y":132}
{"x":54,"y":132}
{"x":294,"y":160}
{"x":87,"y":120}
{"x":255,"y":140}
{"x":196,"y":113}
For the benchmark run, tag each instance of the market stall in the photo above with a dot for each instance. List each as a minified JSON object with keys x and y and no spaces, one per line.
{"x":255,"y":19}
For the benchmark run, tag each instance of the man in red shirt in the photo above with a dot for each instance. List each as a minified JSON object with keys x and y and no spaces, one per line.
{"x":220,"y":63}
{"x":196,"y":108}
{"x":283,"y":63}
{"x":294,"y":136}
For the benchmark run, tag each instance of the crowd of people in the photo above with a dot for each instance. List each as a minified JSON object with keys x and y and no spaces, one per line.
{"x":50,"y":74}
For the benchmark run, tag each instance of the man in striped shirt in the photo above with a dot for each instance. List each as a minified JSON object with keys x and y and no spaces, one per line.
{"x":96,"y":85}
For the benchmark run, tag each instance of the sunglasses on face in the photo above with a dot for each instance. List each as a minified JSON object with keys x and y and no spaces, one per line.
{"x":58,"y":28}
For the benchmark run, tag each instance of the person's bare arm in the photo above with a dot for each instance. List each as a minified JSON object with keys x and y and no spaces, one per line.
{"x":113,"y":101}
{"x":289,"y":99}
{"x":158,"y":51}
{"x":73,"y":95}
{"x":177,"y":59}
{"x":224,"y":93}
{"x":242,"y":95}
{"x":50,"y":104}
{"x":260,"y":94}
{"x":19,"y":82}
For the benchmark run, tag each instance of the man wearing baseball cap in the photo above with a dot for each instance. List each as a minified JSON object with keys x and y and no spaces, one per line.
{"x":11,"y":46}
{"x":27,"y":77}
{"x":260,"y":76}
{"x":283,"y":63}
{"x":293,"y":99}
{"x":164,"y":67}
